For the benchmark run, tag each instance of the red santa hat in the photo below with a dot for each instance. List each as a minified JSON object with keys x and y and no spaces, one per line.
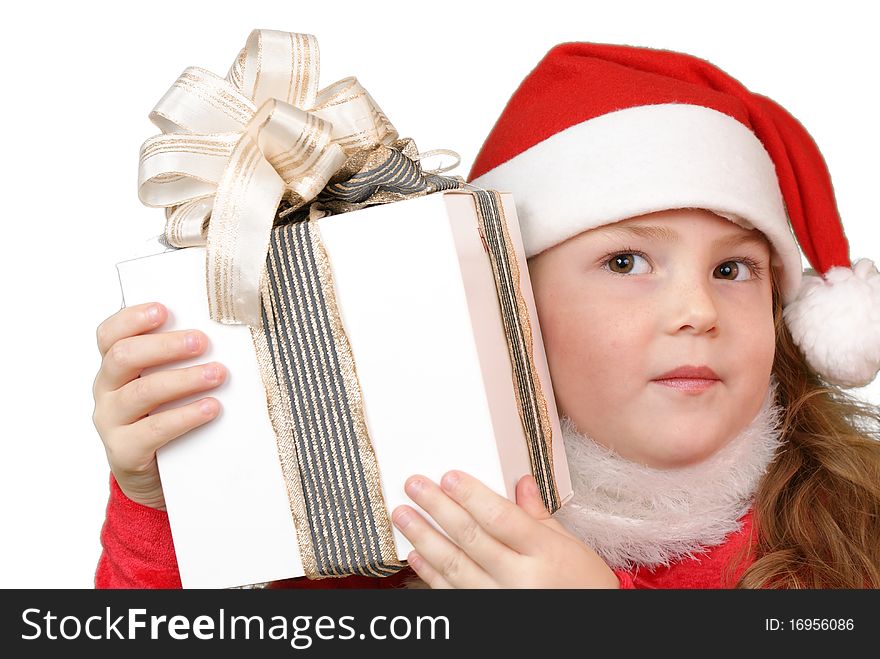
{"x":598,"y":133}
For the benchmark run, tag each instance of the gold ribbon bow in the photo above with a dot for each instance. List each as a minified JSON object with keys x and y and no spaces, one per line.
{"x":231,"y":149}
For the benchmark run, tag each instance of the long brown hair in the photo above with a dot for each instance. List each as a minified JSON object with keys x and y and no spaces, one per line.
{"x":817,"y":509}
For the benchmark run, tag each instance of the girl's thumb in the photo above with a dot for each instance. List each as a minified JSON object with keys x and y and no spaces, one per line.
{"x":529,"y":498}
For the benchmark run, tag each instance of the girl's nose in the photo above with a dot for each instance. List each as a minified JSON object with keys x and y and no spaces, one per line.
{"x":693,"y":308}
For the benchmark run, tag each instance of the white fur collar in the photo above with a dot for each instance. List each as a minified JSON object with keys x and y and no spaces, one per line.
{"x":631,"y":514}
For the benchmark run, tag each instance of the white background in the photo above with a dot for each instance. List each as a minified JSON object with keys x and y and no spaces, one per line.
{"x":80,"y":79}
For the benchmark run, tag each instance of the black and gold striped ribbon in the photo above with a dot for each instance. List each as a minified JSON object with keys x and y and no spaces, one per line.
{"x":382,"y":175}
{"x":396,"y":173}
{"x":315,"y":404}
{"x":530,"y":399}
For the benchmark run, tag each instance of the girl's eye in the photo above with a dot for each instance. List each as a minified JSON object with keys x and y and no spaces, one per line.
{"x":733,"y":271}
{"x":624,"y":263}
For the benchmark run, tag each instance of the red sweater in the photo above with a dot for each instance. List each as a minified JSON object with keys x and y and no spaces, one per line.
{"x":719,"y":567}
{"x":138,"y":552}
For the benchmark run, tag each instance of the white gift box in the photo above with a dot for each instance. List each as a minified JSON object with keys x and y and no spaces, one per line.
{"x":416,"y":294}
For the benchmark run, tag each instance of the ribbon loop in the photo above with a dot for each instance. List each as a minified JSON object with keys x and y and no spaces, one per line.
{"x":179,"y":167}
{"x":358,"y":122}
{"x":438,"y":152}
{"x":202,"y":102}
{"x":281,"y":65}
{"x":299,"y":147}
{"x":187,"y":225}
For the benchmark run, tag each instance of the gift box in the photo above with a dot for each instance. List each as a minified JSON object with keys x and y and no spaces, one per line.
{"x":418,"y":301}
{"x":375,"y":319}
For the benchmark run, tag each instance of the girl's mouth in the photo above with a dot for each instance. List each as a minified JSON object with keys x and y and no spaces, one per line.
{"x":689,"y":385}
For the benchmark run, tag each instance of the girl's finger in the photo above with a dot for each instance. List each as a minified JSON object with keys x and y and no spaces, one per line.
{"x":440,"y":553}
{"x":138,"y":442}
{"x":127,"y":322}
{"x":426,"y":573}
{"x":144,"y":394}
{"x":500,"y":518}
{"x":528,"y":497}
{"x":491,"y":555}
{"x":126,"y":358}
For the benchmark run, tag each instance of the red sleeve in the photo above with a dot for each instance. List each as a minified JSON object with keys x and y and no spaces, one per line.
{"x":138,"y":551}
{"x":625,"y":579}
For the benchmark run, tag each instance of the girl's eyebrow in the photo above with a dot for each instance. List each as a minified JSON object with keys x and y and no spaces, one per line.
{"x":665,"y":234}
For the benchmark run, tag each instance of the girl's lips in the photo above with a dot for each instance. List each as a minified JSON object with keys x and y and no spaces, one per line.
{"x":690,"y":385}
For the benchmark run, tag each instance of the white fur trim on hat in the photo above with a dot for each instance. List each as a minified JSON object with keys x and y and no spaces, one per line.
{"x":836,"y":323}
{"x":645,"y":159}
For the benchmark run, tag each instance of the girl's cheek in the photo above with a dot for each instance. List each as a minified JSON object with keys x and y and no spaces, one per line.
{"x":750,"y":306}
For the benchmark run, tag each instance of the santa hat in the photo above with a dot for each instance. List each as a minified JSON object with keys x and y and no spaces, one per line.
{"x":598,"y":133}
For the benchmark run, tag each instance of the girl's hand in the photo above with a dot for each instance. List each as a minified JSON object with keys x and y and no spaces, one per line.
{"x":123,"y":399}
{"x":494,"y":542}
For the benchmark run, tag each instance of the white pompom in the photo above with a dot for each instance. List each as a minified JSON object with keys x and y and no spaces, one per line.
{"x":836,"y":323}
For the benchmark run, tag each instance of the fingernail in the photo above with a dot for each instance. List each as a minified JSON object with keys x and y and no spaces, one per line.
{"x":415,"y":486}
{"x":212,"y":373}
{"x":153,"y":314}
{"x":192,"y":342}
{"x":414,"y":560}
{"x":532,"y":486}
{"x":207,"y":407}
{"x":402,"y":518}
{"x":450,"y":480}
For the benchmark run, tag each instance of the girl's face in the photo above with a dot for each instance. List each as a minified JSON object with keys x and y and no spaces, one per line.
{"x":625,"y":303}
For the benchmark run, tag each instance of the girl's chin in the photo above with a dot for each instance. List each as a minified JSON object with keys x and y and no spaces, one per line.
{"x":677,"y":460}
{"x":681,"y":445}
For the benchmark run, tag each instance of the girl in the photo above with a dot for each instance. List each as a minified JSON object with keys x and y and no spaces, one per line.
{"x":697,"y":372}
